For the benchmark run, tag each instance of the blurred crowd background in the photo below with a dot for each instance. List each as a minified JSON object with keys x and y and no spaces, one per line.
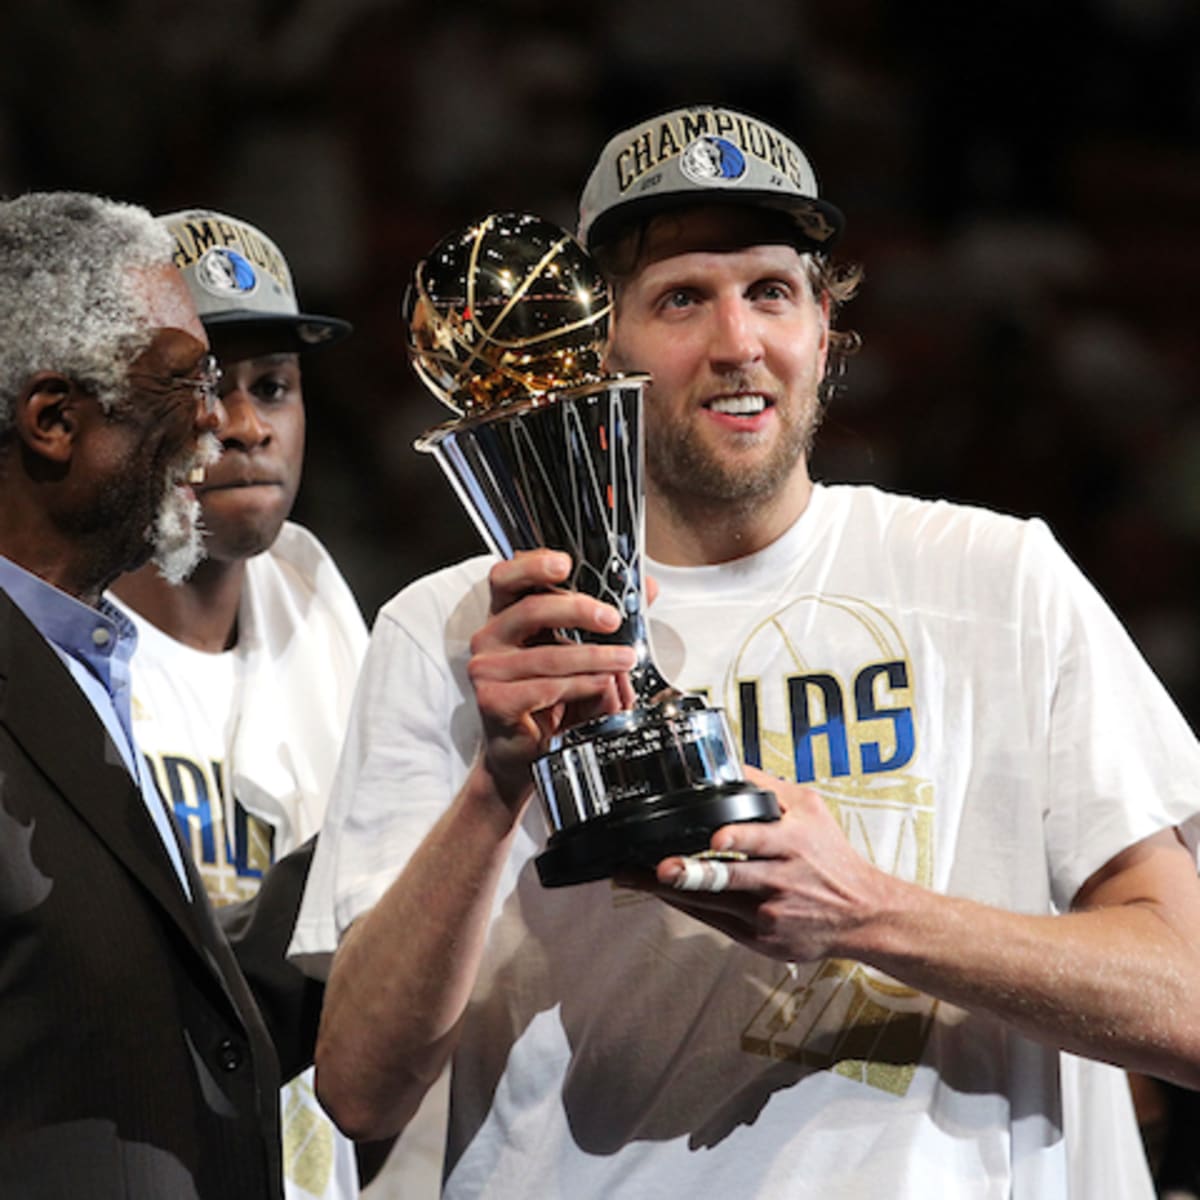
{"x":1021,"y":181}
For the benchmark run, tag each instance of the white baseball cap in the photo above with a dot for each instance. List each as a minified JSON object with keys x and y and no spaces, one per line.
{"x":702,"y":155}
{"x":239,"y":279}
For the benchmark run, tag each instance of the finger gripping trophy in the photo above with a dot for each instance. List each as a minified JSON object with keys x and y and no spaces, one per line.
{"x":507,"y":321}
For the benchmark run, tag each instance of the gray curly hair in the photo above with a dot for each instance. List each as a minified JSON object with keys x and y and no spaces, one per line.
{"x":66,"y":303}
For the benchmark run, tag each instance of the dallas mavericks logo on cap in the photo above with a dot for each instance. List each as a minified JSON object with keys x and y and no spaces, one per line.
{"x":223,"y":271}
{"x":708,"y":158}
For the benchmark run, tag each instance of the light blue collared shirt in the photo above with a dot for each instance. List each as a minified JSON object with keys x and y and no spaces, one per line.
{"x":96,"y":645}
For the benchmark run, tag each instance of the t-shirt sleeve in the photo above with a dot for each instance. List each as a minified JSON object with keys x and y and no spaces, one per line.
{"x":1122,"y":762}
{"x":397,"y":773}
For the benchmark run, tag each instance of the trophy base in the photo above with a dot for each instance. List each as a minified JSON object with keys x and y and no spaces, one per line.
{"x":642,"y":834}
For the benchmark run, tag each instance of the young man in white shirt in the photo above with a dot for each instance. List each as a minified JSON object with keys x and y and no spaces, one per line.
{"x":986,"y":863}
{"x":245,"y":669}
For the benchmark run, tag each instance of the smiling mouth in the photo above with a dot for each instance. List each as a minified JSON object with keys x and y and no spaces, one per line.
{"x":748,"y":404}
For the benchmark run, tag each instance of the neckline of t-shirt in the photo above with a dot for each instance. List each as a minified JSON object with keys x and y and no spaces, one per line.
{"x":788,"y":551}
{"x":217,"y":662}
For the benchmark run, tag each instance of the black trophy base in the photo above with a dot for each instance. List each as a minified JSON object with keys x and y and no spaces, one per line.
{"x":642,"y":833}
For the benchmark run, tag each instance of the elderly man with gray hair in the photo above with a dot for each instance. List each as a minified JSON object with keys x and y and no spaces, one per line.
{"x":135,"y":1060}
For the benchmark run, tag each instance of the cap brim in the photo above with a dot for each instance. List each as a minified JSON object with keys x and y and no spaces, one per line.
{"x":268,"y":334}
{"x":818,"y":223}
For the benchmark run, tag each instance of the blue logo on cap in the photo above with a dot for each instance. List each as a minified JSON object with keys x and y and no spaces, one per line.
{"x":223,"y":271}
{"x":709,"y":158}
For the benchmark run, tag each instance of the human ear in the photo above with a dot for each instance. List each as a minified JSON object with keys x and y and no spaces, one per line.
{"x":46,"y":416}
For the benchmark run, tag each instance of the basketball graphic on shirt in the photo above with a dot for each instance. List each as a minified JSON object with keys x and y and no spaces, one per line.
{"x":848,"y":728}
{"x":308,"y":1141}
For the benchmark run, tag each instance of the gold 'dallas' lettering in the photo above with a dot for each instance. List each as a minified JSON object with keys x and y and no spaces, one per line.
{"x":194,"y":237}
{"x":668,"y":138}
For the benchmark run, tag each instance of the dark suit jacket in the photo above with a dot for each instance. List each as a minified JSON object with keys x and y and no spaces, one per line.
{"x":135,"y":1062}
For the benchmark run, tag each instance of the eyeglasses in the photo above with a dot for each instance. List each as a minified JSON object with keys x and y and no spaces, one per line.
{"x":205,"y":384}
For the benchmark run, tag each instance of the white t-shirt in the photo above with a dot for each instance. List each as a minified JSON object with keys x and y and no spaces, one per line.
{"x":243,"y":746}
{"x":184,"y":705}
{"x":979,"y":723}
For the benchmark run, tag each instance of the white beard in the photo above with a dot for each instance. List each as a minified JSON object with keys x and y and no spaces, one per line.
{"x":177,"y":536}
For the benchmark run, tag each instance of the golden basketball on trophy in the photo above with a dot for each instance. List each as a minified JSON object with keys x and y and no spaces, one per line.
{"x":509,"y":309}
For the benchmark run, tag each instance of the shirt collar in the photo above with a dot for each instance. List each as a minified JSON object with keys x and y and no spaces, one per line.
{"x":101,"y":638}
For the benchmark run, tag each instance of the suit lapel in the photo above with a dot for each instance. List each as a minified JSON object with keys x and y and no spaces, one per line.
{"x":44,"y":710}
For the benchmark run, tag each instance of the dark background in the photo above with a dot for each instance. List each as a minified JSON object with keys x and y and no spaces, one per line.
{"x":1021,"y":181}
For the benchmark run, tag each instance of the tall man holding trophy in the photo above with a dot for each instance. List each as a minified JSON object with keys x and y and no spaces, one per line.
{"x":986,"y":853}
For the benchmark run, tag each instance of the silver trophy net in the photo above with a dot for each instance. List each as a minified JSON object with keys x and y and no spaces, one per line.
{"x":507,"y":320}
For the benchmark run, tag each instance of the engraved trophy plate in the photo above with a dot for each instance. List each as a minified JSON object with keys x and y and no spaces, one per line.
{"x":507,"y":321}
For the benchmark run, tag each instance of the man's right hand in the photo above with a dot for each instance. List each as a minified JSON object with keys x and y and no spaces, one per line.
{"x":529,"y":682}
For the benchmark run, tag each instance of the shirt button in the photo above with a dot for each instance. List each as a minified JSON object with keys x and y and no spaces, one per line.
{"x":229,"y":1055}
{"x":101,"y":636}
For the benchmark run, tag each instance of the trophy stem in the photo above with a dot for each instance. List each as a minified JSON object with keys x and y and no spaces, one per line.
{"x":649,"y":686}
{"x":563,"y":470}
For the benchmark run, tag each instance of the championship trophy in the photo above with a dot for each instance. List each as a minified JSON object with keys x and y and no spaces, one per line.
{"x":507,"y":321}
